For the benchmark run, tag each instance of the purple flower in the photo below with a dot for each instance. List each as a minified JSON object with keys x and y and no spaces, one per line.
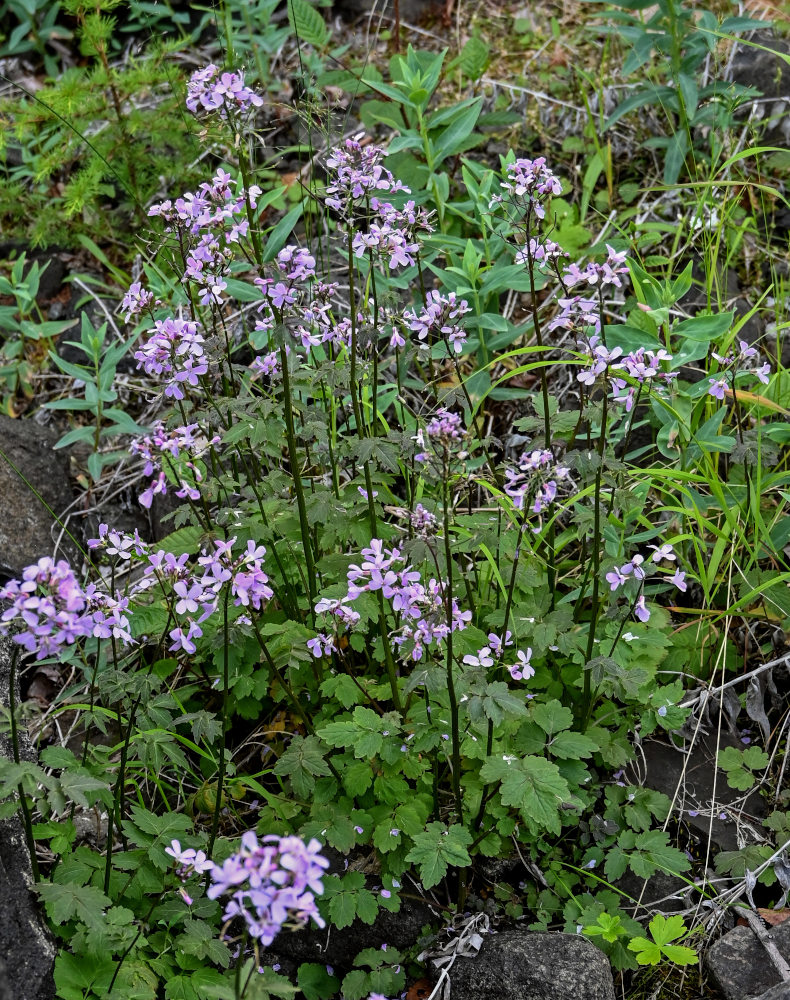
{"x":496,"y":643}
{"x":271,"y":884}
{"x":640,"y":609}
{"x":189,"y":861}
{"x":436,"y":321}
{"x":483,"y":658}
{"x":522,"y":670}
{"x":209,"y":90}
{"x":616,"y":578}
{"x":355,"y":170}
{"x":321,"y":645}
{"x":718,"y":387}
{"x":530,"y":182}
{"x":135,"y":301}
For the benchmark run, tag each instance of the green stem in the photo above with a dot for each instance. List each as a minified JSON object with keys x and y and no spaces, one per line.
{"x":293,"y":458}
{"x":115,"y":818}
{"x":224,"y":742}
{"x":596,"y":562}
{"x":26,"y":818}
{"x":455,"y":731}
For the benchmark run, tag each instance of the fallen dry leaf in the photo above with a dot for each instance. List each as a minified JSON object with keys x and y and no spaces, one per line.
{"x":774,"y":917}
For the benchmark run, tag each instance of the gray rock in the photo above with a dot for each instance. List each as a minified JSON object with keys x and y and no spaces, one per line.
{"x":525,"y":965}
{"x":741,"y":967}
{"x":779,"y":992}
{"x":339,"y":948}
{"x":27,"y":529}
{"x":665,"y":771}
{"x":27,"y":951}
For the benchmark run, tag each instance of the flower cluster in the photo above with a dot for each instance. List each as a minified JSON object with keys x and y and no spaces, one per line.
{"x":208,"y":222}
{"x":641,"y":365}
{"x":55,"y":611}
{"x":435,"y":322}
{"x":522,"y":670}
{"x":174,"y":351}
{"x":392,"y":233}
{"x":423,"y":522}
{"x":135,"y":301}
{"x":741,"y":363}
{"x":644,"y":367}
{"x":270,"y":885}
{"x":160,"y":442}
{"x":209,"y":209}
{"x":579,"y":316}
{"x":197,"y":595}
{"x":293,"y":297}
{"x":210,"y":90}
{"x":540,"y":252}
{"x":189,"y":862}
{"x":355,"y":170}
{"x":638,"y":568}
{"x":536,"y":476}
{"x":194,"y":596}
{"x":607,"y":273}
{"x":421,"y":608}
{"x":530,"y":182}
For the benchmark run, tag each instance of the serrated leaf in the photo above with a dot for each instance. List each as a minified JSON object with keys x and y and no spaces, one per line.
{"x":315,"y":982}
{"x":474,"y":58}
{"x":552,"y":717}
{"x":307,"y":24}
{"x":534,"y":785}
{"x":68,"y":901}
{"x":571,"y":746}
{"x":437,"y":848}
{"x":303,"y":762}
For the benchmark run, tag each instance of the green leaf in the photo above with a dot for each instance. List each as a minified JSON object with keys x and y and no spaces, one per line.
{"x":552,"y":717}
{"x":474,"y":58}
{"x":315,"y":982}
{"x":357,"y":777}
{"x":572,"y":746}
{"x":533,"y":784}
{"x":452,"y":138}
{"x":78,"y":784}
{"x":499,"y":703}
{"x":68,"y":901}
{"x":647,"y":953}
{"x":437,"y":848}
{"x":703,"y":328}
{"x":663,"y":930}
{"x":348,"y":898}
{"x":283,"y":229}
{"x":303,"y":762}
{"x":78,"y":976}
{"x":307,"y":24}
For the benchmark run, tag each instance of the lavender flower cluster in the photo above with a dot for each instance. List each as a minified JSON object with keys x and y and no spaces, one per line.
{"x":355,"y":171}
{"x":194,"y":597}
{"x":531,"y":183}
{"x":174,"y":355}
{"x":637,"y":569}
{"x":207,"y":224}
{"x":420,"y":608}
{"x":269,"y":885}
{"x":187,"y":440}
{"x":536,"y":476}
{"x":210,"y":90}
{"x":434,"y":322}
{"x":50,"y":610}
{"x":735,"y":364}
